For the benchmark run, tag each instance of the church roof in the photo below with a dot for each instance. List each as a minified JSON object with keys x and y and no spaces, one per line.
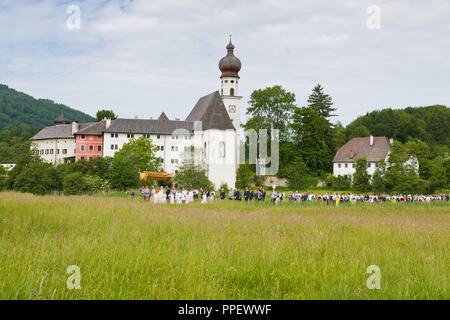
{"x":62,"y":131}
{"x":211,"y":111}
{"x":62,"y":120}
{"x":163,"y":116}
{"x":149,"y":126}
{"x":230,"y":64}
{"x":95,"y":129}
{"x":360,"y":147}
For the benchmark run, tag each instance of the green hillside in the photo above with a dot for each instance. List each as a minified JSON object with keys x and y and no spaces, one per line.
{"x":428,"y":124}
{"x":17,"y":108}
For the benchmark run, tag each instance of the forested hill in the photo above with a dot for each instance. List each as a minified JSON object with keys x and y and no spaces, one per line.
{"x":429,"y":124}
{"x":19,"y":108}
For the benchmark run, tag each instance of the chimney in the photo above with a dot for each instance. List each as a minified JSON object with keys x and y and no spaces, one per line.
{"x":371,"y":140}
{"x":108,"y":122}
{"x":75,"y":127}
{"x":352,"y":153}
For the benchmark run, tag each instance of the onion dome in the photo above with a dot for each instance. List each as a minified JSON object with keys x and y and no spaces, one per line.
{"x":62,"y":120}
{"x":230,"y":65}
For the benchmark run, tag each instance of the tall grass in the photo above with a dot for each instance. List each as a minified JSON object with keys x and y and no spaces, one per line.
{"x":128,"y":249}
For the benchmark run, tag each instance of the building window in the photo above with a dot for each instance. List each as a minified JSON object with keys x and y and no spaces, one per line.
{"x":222,"y":149}
{"x":346,"y":165}
{"x":64,"y":151}
{"x":339,"y":165}
{"x":130,"y":135}
{"x":226,"y":81}
{"x":232,"y":81}
{"x":91,"y":148}
{"x":82,"y":136}
{"x":232,"y":92}
{"x":162,"y":148}
{"x":46,"y":151}
{"x":99,"y":148}
{"x":82,"y":157}
{"x":82,"y":147}
{"x":57,"y":151}
{"x":51,"y":151}
{"x":158,"y":136}
{"x":112,"y":135}
{"x":353,"y":165}
{"x":116,"y":147}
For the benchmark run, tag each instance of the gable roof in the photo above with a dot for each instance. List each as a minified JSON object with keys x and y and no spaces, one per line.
{"x":95,"y":129}
{"x":149,"y":126}
{"x":163,"y":116}
{"x":60,"y":131}
{"x":211,"y":111}
{"x":361,"y":148}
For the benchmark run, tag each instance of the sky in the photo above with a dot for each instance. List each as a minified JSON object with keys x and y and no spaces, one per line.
{"x":142,"y":57}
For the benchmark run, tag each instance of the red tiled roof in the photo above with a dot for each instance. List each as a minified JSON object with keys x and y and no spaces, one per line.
{"x":361,"y":148}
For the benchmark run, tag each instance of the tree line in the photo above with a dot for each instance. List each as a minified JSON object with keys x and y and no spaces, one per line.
{"x":309,"y":140}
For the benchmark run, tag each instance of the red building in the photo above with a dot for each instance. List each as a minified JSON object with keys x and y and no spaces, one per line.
{"x":89,"y":141}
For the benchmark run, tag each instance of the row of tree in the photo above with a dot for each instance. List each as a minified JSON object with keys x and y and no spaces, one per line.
{"x":120,"y":172}
{"x":309,"y":140}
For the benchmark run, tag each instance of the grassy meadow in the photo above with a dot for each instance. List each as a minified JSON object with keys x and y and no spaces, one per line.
{"x":128,"y":249}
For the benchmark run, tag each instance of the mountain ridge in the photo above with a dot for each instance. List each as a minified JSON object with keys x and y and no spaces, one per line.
{"x":18,"y":108}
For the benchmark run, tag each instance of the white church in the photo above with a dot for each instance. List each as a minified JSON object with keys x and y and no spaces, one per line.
{"x":212,"y":128}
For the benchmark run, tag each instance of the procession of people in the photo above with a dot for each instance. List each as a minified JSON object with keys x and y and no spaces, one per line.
{"x":185,"y":196}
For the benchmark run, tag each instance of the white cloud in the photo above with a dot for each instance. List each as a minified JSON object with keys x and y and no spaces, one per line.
{"x":141,"y":57}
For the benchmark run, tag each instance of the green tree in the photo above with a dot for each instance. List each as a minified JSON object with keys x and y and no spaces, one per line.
{"x":323,"y":105}
{"x":378,"y":179}
{"x":321,"y":102}
{"x":361,"y":178}
{"x":38,"y":178}
{"x":136,"y":155}
{"x":74,"y":183}
{"x":102,"y":114}
{"x":342,"y":183}
{"x":400,"y":174}
{"x":245,"y":177}
{"x":3,"y":177}
{"x":438,"y":175}
{"x":299,"y":175}
{"x":192,"y":172}
{"x":309,"y":140}
{"x":360,"y":131}
{"x":270,"y":108}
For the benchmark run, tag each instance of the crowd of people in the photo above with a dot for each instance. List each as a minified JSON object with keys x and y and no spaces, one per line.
{"x":172,"y":195}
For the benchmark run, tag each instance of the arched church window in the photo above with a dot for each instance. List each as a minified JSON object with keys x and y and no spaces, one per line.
{"x":222,"y":149}
{"x":232,"y":92}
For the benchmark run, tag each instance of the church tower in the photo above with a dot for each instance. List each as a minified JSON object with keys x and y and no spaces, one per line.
{"x":230,"y":67}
